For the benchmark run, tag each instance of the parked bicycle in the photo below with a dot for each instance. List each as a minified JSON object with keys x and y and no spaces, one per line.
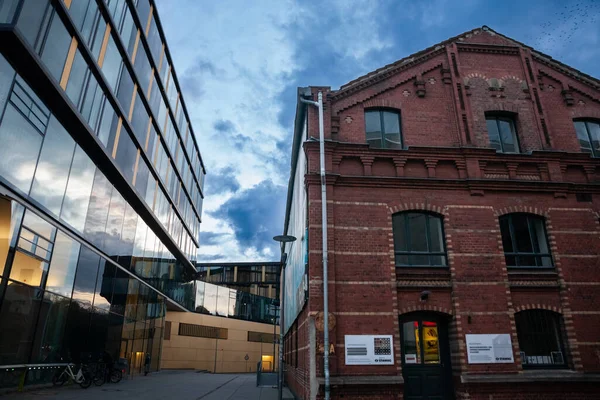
{"x":82,"y":377}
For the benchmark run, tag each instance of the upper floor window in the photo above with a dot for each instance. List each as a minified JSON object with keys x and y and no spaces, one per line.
{"x":524,"y":240}
{"x":588,"y":134}
{"x":502,"y":133}
{"x":540,"y":339}
{"x":383,"y":129}
{"x":418,"y":239}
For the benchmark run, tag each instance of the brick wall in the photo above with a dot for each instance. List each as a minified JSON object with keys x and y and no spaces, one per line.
{"x":448,"y":170}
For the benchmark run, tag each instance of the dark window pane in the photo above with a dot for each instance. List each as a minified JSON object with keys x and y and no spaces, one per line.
{"x":540,"y":338}
{"x":506,"y":238}
{"x":154,"y":41}
{"x":492,"y":128}
{"x":79,"y":188}
{"x":139,"y":120}
{"x":53,"y":167}
{"x":30,"y":19}
{"x":141,"y":180}
{"x":125,"y":92}
{"x":391,"y":127}
{"x":418,"y":260}
{"x":417,"y":231}
{"x":50,"y":329}
{"x":438,"y":260}
{"x":410,"y":342}
{"x":106,"y":123}
{"x":373,"y":128}
{"x":126,"y":155}
{"x":21,"y":144}
{"x":128,"y":31}
{"x":63,"y":265}
{"x":91,"y":106}
{"x":526,"y":261}
{"x":77,"y":331}
{"x":95,"y":224}
{"x":399,"y":228}
{"x":56,"y":47}
{"x":85,"y":280}
{"x":98,"y":330}
{"x":142,"y":68}
{"x":18,"y":315}
{"x":435,"y":234}
{"x":507,"y":136}
{"x":7,"y":74}
{"x":511,"y":261}
{"x":521,"y":231}
{"x":119,"y":297}
{"x":78,"y":10}
{"x":125,"y":250}
{"x":594,"y":130}
{"x":104,"y":285}
{"x":583,"y":137}
{"x":98,"y":36}
{"x":76,"y":78}
{"x":133,"y":288}
{"x":111,"y":64}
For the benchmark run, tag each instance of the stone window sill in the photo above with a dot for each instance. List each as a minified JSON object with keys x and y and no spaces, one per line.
{"x":532,"y":376}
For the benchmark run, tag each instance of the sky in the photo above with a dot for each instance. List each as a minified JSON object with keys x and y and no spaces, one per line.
{"x":239,"y":64}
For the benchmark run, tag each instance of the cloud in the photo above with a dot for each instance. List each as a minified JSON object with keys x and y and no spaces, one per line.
{"x":255,"y":216}
{"x":221,"y":181}
{"x":224,"y":126}
{"x":212,"y":238}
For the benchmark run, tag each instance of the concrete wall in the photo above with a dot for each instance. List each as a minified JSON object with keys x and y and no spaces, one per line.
{"x":185,"y":352}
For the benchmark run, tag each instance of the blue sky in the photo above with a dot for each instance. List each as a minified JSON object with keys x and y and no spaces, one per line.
{"x":239,"y":64}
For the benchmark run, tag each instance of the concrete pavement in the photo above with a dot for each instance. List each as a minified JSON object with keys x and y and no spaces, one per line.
{"x":180,"y":385}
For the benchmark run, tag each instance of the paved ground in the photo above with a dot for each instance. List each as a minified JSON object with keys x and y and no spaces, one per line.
{"x":171,"y":385}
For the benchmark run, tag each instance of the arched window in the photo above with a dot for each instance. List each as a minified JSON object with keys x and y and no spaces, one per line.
{"x":540,"y":339}
{"x":383,"y":129}
{"x":502,"y":132}
{"x":418,"y":239}
{"x":588,"y":134}
{"x":525,"y":241}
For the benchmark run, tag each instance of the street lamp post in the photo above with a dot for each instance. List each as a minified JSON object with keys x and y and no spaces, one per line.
{"x":282,"y":239}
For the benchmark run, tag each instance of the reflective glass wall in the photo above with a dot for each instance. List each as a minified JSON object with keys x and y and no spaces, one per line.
{"x":60,"y":300}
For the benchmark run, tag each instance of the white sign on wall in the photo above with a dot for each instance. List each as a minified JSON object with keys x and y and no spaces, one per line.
{"x":489,"y":349}
{"x":369,"y":349}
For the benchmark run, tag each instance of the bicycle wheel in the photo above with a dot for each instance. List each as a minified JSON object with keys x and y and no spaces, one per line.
{"x":116,"y":376}
{"x":59,"y":378}
{"x":99,"y":376}
{"x":87,"y":380}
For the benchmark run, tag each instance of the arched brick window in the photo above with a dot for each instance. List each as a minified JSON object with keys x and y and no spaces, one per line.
{"x":419,"y":239}
{"x":525,"y":241}
{"x":540,"y":336}
{"x":383,"y":128}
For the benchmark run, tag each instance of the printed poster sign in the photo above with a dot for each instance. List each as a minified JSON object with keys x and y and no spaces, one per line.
{"x":489,"y":349}
{"x":369,"y":350}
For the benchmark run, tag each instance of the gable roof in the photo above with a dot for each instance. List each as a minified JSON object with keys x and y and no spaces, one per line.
{"x":387,"y":70}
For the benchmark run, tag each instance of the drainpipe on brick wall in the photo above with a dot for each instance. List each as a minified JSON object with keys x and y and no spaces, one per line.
{"x":319,"y":105}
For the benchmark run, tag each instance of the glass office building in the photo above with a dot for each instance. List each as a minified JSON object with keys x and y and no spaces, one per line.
{"x":101,"y":183}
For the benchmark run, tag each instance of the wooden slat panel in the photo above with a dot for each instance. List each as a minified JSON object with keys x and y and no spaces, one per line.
{"x":68,"y":64}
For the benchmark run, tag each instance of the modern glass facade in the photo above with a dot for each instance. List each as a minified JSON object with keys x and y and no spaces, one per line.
{"x":259,"y":278}
{"x":101,"y":184}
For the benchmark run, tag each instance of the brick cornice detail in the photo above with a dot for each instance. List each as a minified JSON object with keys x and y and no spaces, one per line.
{"x":425,"y":307}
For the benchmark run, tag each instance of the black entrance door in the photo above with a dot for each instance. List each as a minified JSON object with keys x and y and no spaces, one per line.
{"x":426,"y":358}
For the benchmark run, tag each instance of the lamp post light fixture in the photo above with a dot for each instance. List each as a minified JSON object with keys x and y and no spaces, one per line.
{"x":283,"y":239}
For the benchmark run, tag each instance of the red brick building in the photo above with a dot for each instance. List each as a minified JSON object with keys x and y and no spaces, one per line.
{"x":463,"y":222}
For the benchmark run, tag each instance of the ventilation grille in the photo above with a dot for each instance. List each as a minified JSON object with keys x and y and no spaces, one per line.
{"x":203,"y":331}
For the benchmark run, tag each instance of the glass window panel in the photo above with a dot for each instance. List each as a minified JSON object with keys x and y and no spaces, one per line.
{"x":154,"y":41}
{"x":89,"y":21}
{"x":98,"y":37}
{"x":50,"y":329}
{"x":125,"y":92}
{"x":435,"y":234}
{"x":91,"y":106}
{"x":106,"y":123}
{"x":114,"y":225}
{"x":526,"y":261}
{"x":78,"y":10}
{"x":210,"y":299}
{"x":431,"y":346}
{"x":119,"y":297}
{"x":31,"y":18}
{"x":28,"y":269}
{"x":540,"y":338}
{"x":126,"y":155}
{"x":521,"y":232}
{"x":95,"y":224}
{"x":56,"y":47}
{"x":99,"y":325}
{"x":21,"y":144}
{"x":7,"y":11}
{"x":391,"y":126}
{"x":410,"y":342}
{"x":418,"y":232}
{"x":7,"y":74}
{"x":143,"y":10}
{"x":141,"y":180}
{"x":85,"y":280}
{"x":63,"y":265}
{"x":132,"y":298}
{"x":399,"y":228}
{"x":511,"y":261}
{"x":139,"y":120}
{"x":112,"y":64}
{"x":151,"y":192}
{"x":492,"y":128}
{"x":507,"y":135}
{"x":418,"y":260}
{"x":130,"y":222}
{"x":39,"y":226}
{"x":142,"y":68}
{"x":506,"y":238}
{"x":52,"y":171}
{"x":128,"y":32}
{"x":583,"y":137}
{"x":116,"y":8}
{"x":438,"y":260}
{"x":373,"y":128}
{"x":104,"y":285}
{"x":594,"y":130}
{"x":79,"y":188}
{"x":76,"y":78}
{"x":18,"y":314}
{"x":77,"y":332}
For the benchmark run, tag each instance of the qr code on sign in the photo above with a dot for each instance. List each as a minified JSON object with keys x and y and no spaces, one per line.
{"x":383,"y":346}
